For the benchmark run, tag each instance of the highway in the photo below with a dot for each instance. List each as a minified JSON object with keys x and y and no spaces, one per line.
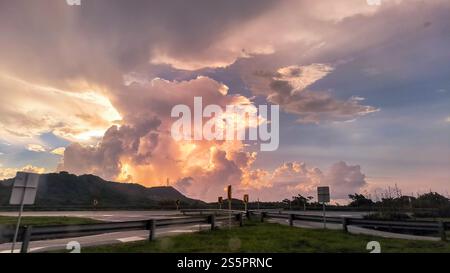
{"x":130,"y":236}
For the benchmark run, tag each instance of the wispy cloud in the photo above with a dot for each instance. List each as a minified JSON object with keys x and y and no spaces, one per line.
{"x":36,"y":148}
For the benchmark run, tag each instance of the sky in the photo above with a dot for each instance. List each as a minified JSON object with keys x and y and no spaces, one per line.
{"x":362,"y":86}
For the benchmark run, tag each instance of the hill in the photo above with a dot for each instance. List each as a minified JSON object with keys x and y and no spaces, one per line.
{"x":64,"y":190}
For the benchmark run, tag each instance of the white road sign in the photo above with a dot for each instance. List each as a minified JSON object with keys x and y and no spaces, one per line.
{"x":323,"y":194}
{"x":24,"y":189}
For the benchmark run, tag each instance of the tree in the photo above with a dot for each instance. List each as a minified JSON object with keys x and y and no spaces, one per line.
{"x":359,"y":200}
{"x":287,"y":202}
{"x":301,"y":201}
{"x":431,"y":200}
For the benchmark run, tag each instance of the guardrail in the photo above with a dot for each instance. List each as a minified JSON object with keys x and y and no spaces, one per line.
{"x":209,"y":211}
{"x":36,"y":233}
{"x":438,"y":227}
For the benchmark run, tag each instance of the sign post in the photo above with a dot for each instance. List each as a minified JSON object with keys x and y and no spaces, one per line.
{"x":220,"y":201}
{"x":245,"y":201}
{"x":23,"y":193}
{"x":323,"y":194}
{"x":229,"y":205}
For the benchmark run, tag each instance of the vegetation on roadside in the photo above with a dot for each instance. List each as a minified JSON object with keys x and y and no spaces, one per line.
{"x":47,"y":220}
{"x":270,"y":237}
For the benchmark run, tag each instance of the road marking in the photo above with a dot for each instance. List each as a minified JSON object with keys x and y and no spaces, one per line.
{"x":180,"y":230}
{"x":36,"y":248}
{"x":131,"y":239}
{"x":9,"y":251}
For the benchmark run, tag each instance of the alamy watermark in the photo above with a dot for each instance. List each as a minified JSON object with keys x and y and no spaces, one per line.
{"x":236,"y":122}
{"x":374,"y":2}
{"x":73,"y":2}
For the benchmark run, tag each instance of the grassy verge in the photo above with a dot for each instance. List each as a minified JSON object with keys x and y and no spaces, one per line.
{"x":44,"y":221}
{"x":268,"y":237}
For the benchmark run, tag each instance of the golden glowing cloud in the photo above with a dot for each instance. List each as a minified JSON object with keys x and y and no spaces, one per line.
{"x":29,"y":110}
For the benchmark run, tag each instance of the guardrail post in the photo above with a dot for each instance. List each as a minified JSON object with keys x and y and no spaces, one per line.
{"x":263,"y":215}
{"x":26,"y":239}
{"x":241,"y":219}
{"x":291,"y":220}
{"x":345,"y":224}
{"x":212,"y":221}
{"x":151,"y":226}
{"x":442,"y":230}
{"x":248,"y":215}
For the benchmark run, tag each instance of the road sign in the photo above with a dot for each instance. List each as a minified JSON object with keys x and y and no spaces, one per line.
{"x":23,"y":193}
{"x":24,"y":189}
{"x":245,"y":201}
{"x":220,"y":200}
{"x":323,"y":194}
{"x":229,"y":192}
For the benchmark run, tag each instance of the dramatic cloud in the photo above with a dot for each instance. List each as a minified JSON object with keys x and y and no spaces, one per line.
{"x":288,"y":88}
{"x":292,"y":178}
{"x":142,"y":149}
{"x":28,"y":110}
{"x":95,"y":75}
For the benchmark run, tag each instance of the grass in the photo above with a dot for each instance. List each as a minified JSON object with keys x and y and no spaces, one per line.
{"x":270,"y":237}
{"x":44,"y":221}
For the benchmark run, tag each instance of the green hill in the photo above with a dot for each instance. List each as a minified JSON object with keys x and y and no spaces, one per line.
{"x":64,"y":190}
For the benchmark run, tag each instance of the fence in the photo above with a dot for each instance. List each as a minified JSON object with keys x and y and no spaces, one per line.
{"x":438,"y":227}
{"x":210,"y":211}
{"x":35,"y":233}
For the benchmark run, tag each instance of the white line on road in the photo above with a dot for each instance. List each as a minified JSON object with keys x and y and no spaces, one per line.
{"x":131,"y":239}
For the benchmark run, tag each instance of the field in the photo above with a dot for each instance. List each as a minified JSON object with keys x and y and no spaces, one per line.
{"x":270,"y":237}
{"x":44,"y":221}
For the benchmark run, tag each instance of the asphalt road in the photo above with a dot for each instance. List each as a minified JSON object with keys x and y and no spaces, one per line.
{"x":130,"y":236}
{"x":108,"y":216}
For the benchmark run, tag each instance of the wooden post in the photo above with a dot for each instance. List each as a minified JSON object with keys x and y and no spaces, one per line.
{"x":241,"y":219}
{"x":248,"y":214}
{"x":442,"y":230}
{"x":151,"y":226}
{"x":26,"y":239}
{"x":345,"y":224}
{"x":291,"y":220}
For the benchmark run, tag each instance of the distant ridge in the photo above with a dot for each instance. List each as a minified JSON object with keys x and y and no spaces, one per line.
{"x":64,"y":190}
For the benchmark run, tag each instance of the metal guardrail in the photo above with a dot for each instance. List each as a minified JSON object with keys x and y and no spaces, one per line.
{"x":438,"y":227}
{"x":35,"y":233}
{"x":210,"y":211}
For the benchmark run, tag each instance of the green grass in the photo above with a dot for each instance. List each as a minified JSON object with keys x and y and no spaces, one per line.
{"x":269,"y":237}
{"x":44,"y":221}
